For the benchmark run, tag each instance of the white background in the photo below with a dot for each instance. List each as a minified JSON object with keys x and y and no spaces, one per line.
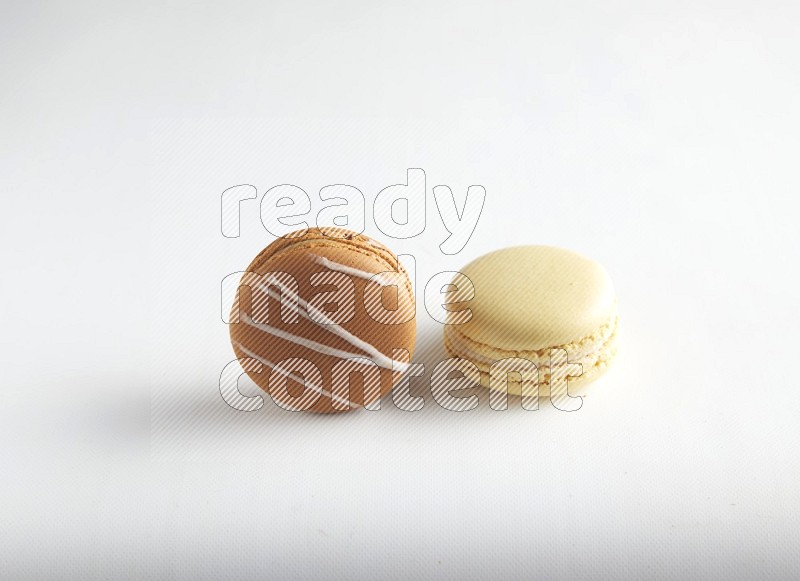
{"x":659,"y":138}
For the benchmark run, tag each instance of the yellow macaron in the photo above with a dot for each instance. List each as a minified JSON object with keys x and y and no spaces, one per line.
{"x":529,"y":300}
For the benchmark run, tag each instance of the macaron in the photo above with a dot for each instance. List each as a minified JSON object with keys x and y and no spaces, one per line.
{"x":324,"y":320}
{"x":530,"y":300}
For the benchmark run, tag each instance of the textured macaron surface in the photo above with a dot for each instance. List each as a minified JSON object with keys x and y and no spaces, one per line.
{"x":530,"y":298}
{"x":314,"y":298}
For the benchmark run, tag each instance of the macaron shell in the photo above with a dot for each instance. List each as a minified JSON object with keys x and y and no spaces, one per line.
{"x":533,"y":297}
{"x":329,"y":237}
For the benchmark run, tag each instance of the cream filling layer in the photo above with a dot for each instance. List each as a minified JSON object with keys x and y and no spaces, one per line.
{"x":588,"y":351}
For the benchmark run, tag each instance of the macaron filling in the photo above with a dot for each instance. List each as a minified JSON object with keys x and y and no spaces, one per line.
{"x":592,"y":351}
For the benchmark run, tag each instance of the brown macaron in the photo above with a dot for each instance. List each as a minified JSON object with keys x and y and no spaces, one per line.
{"x":324,"y":320}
